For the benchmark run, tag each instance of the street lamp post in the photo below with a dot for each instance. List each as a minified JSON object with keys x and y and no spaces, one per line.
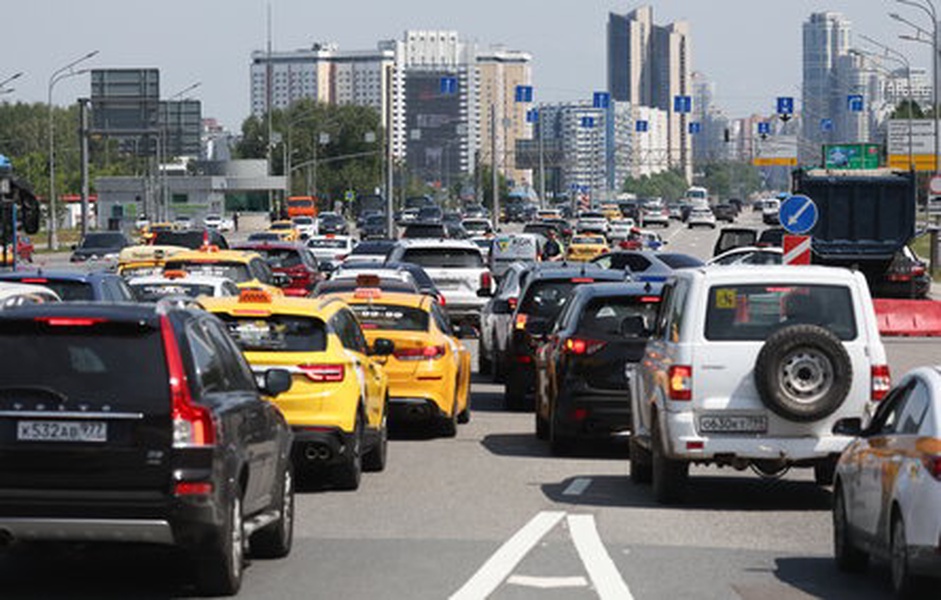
{"x":57,"y":76}
{"x":927,"y":6}
{"x":899,"y":58}
{"x":8,"y":80}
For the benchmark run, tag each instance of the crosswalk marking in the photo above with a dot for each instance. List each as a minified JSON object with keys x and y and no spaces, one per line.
{"x":577,"y":487}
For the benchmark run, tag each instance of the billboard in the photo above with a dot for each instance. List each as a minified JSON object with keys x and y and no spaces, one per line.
{"x":911,"y":141}
{"x":180,"y":127}
{"x":851,"y":156}
{"x":776,"y":151}
{"x":436,"y":131}
{"x":126,"y":105}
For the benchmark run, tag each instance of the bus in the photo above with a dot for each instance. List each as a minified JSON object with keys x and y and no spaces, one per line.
{"x":302,"y":206}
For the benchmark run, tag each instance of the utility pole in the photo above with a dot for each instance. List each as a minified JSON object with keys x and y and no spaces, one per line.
{"x":542,"y":162}
{"x":495,"y":186}
{"x":83,"y":140}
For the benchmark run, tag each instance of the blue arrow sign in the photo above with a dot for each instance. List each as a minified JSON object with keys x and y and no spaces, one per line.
{"x":641,"y":126}
{"x":601,"y":100}
{"x":524,"y":93}
{"x":695,"y":128}
{"x":785,"y":105}
{"x":588,"y":122}
{"x":682,"y":104}
{"x":826,"y":124}
{"x":448,"y":85}
{"x":855,"y":103}
{"x":764,"y":128}
{"x":798,"y":214}
{"x":532,"y":115}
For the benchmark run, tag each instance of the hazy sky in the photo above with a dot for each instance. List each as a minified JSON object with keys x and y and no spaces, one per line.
{"x":750,"y":48}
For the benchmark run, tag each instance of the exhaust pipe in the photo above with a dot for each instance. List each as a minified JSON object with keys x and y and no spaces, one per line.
{"x":323,"y":453}
{"x":310,"y":452}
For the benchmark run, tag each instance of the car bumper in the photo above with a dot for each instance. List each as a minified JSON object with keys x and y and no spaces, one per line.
{"x":320,"y":446}
{"x":414,"y":409}
{"x":596,"y":414}
{"x":686,"y":442}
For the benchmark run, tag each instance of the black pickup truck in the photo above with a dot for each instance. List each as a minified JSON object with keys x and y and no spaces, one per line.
{"x":141,"y":423}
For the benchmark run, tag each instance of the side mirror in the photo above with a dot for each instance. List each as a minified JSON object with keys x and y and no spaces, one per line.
{"x":852,"y":427}
{"x":280,"y":280}
{"x":462,"y":331}
{"x":277,"y":381}
{"x":326,"y":267}
{"x":382,"y":347}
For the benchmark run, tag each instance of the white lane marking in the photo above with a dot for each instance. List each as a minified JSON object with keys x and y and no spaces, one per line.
{"x":577,"y":487}
{"x":604,"y":575}
{"x":501,"y":564}
{"x":548,"y":583}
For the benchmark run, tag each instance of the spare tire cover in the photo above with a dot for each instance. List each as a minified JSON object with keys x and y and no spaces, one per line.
{"x":803,"y":373}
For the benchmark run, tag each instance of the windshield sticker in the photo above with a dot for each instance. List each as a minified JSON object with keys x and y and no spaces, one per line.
{"x":725,"y":299}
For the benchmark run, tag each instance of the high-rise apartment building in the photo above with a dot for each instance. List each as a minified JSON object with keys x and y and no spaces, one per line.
{"x":823,"y":107}
{"x":500,"y":71}
{"x":650,"y":65}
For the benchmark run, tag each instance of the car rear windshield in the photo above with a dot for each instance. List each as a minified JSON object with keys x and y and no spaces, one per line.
{"x":151,"y":292}
{"x":344,"y":286}
{"x":277,"y":333}
{"x":103,"y":240}
{"x":424,"y":231}
{"x":373,"y":248}
{"x":237,"y":272}
{"x":545,"y":299}
{"x":753,"y":312}
{"x":444,"y":258}
{"x":69,"y":291}
{"x":391,"y":318}
{"x":680,"y":261}
{"x":281,"y":258}
{"x":264,"y":237}
{"x":326,"y":243}
{"x":98,"y":364}
{"x":604,"y":316}
{"x":187,"y":239}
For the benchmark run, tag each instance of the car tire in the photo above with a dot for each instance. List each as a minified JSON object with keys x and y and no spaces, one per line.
{"x":849,"y":558}
{"x":905,"y":583}
{"x":219,"y":567}
{"x":375,"y":460}
{"x":559,"y":445}
{"x":347,"y":476}
{"x":641,"y":463}
{"x":542,"y":427}
{"x":498,"y":370}
{"x":669,"y":477}
{"x":275,"y":540}
{"x":448,"y":424}
{"x":484,"y":364}
{"x":803,"y":373}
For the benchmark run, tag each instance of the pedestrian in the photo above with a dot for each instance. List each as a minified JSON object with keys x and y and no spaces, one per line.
{"x":552,"y":251}
{"x":235,"y":220}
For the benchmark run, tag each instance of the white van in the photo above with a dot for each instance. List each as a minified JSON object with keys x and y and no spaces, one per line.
{"x":517,"y":247}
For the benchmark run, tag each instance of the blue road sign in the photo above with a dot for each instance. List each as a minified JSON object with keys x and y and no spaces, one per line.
{"x":4,"y":162}
{"x":855,"y":103}
{"x":601,"y":100}
{"x":524,"y":93}
{"x":826,"y":125}
{"x":532,"y":115}
{"x":785,"y":105}
{"x":682,"y":104}
{"x":798,"y":214}
{"x":448,"y":85}
{"x":764,"y":128}
{"x":641,"y":126}
{"x":588,"y":122}
{"x":695,"y":127}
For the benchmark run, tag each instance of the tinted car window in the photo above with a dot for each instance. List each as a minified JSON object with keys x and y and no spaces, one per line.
{"x":339,"y":286}
{"x":152,"y":292}
{"x":546,"y":298}
{"x":437,"y":258}
{"x":71,"y":291}
{"x":428,"y":230}
{"x":603,"y":316}
{"x":281,"y":258}
{"x":206,"y":360}
{"x":238,"y":373}
{"x":752,"y":312}
{"x":372,"y":247}
{"x":391,"y":318}
{"x":104,"y":240}
{"x":84,"y":364}
{"x":277,"y":333}
{"x":680,"y":261}
{"x":237,"y":272}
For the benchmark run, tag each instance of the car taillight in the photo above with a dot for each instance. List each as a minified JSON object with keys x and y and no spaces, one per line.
{"x":918,"y":270}
{"x":324,"y":373}
{"x":881,"y":382}
{"x":521,"y":321}
{"x":681,"y":382}
{"x":192,"y":424}
{"x":583,"y":347}
{"x":422,"y":353}
{"x":441,"y":300}
{"x":486,"y":280}
{"x":932,"y":464}
{"x":512,"y":302}
{"x":70,"y":321}
{"x":192,"y":488}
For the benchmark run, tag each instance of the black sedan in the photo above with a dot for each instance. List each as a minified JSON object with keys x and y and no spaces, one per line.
{"x":100,"y":245}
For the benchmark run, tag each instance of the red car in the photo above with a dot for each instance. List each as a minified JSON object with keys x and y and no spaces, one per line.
{"x":24,"y":250}
{"x":291,"y":259}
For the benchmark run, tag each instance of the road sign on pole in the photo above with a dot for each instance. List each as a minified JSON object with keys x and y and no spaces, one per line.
{"x":855,"y":103}
{"x":764,"y":128}
{"x":682,"y":104}
{"x":524,"y":93}
{"x":641,"y":126}
{"x":798,"y":214}
{"x":601,"y":100}
{"x":796,"y":249}
{"x":695,"y":127}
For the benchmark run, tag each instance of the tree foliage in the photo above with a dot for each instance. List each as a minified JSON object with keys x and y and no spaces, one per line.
{"x":667,"y":184}
{"x":729,"y":179}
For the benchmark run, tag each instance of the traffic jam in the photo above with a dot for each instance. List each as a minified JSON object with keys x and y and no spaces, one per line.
{"x":175,"y":387}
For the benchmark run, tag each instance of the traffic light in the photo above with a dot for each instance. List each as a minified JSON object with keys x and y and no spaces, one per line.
{"x":727,"y":135}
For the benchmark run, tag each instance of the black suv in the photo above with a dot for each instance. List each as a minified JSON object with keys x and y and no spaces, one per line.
{"x":547,"y":290}
{"x":142,"y":423}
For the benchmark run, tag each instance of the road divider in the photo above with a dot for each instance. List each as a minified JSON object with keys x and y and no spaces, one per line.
{"x":908,"y":318}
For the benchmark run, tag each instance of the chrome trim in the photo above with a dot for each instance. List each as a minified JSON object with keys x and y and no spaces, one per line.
{"x":71,"y":414}
{"x":89,"y":530}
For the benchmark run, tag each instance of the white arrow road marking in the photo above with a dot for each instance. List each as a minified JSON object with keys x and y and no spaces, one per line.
{"x":548,"y":583}
{"x":577,"y":487}
{"x":501,"y":564}
{"x":793,"y":219}
{"x":604,"y":575}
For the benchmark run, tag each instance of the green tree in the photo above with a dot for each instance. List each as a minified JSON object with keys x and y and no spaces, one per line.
{"x":666,"y":184}
{"x":906,"y":108}
{"x":726,"y":179}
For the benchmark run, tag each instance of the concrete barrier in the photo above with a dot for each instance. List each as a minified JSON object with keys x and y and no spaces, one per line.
{"x":908,"y":318}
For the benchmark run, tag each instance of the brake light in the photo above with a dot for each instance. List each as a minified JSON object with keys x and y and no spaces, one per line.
{"x":932,"y":464}
{"x":34,"y":280}
{"x":512,"y":302}
{"x":191,"y":488}
{"x":881,"y":382}
{"x":192,"y":424}
{"x":582,"y":280}
{"x":421,"y":353}
{"x":649,"y":299}
{"x":441,"y":300}
{"x":583,"y":347}
{"x":521,"y":321}
{"x":486,"y":281}
{"x":681,"y":382}
{"x":324,"y":373}
{"x":70,"y":321}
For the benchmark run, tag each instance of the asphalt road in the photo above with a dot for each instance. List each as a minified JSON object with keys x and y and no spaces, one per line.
{"x":492,"y":514}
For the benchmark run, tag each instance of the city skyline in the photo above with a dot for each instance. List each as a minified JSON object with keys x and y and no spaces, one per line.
{"x":213,"y":43}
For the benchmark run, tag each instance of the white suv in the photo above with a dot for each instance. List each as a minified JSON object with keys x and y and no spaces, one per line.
{"x":458,"y":271}
{"x":752,"y":367}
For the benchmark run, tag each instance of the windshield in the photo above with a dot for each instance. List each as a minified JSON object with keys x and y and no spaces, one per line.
{"x":151,"y":292}
{"x":391,"y":318}
{"x":237,"y":272}
{"x":326,"y":243}
{"x":444,"y":258}
{"x":281,"y":258}
{"x":68,"y":290}
{"x":103,"y":240}
{"x":604,"y":316}
{"x":277,"y":333}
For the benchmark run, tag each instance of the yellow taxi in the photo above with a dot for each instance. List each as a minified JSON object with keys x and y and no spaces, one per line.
{"x":611,"y":211}
{"x":338,"y":401}
{"x":141,"y":261}
{"x":285,"y":230}
{"x":150,"y":232}
{"x":247,"y":269}
{"x":583,"y":248}
{"x":429,"y":371}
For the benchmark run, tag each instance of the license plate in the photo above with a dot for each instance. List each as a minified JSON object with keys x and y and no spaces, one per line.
{"x":62,"y":431}
{"x":733,"y":424}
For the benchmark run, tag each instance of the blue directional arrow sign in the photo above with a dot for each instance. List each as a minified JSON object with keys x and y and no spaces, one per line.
{"x":798,"y":214}
{"x":588,"y":122}
{"x":448,"y":85}
{"x":532,"y":115}
{"x":764,"y":128}
{"x":855,"y":103}
{"x":601,"y":100}
{"x":524,"y":93}
{"x":785,"y":105}
{"x":641,"y":126}
{"x":695,"y":128}
{"x":682,"y":104}
{"x":826,"y":125}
